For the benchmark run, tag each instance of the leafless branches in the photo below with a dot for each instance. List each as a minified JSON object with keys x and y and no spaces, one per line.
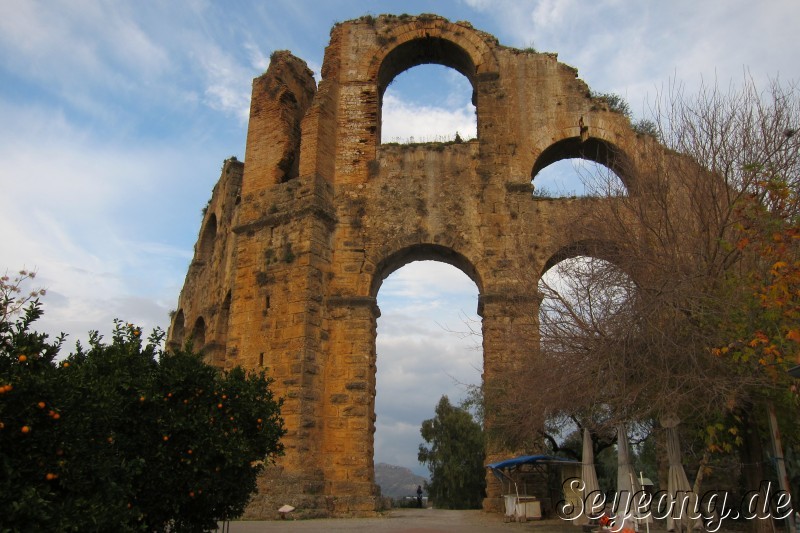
{"x":631,"y":336}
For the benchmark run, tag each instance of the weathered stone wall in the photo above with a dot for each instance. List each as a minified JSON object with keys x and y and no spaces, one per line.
{"x":206,"y":295}
{"x":321,"y":213}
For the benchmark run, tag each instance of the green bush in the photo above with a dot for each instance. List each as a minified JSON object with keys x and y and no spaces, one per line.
{"x":647,"y":127}
{"x":123,"y":437}
{"x":615,"y":103}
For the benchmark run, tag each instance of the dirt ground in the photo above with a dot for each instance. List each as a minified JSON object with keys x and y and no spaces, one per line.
{"x":411,"y":521}
{"x":432,"y":521}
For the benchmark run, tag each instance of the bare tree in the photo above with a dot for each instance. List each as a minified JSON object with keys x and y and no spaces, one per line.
{"x":662,"y":322}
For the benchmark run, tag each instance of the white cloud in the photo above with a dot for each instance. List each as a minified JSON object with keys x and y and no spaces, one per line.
{"x":228,"y":83}
{"x":74,"y":44}
{"x":422,"y":278}
{"x":93,"y":275}
{"x":549,"y":13}
{"x":635,"y":49}
{"x":90,"y":216}
{"x":421,"y":354}
{"x":403,"y":120}
{"x":258,"y":59}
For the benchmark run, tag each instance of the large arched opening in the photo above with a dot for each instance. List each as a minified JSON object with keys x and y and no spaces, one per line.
{"x":428,"y":103}
{"x":436,"y":82}
{"x":587,"y":319}
{"x":428,"y":345}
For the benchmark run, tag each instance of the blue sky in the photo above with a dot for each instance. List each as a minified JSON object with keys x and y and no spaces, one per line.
{"x":115,"y":117}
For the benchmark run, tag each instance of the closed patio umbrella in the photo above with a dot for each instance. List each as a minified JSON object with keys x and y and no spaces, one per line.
{"x":683,"y":500}
{"x":628,"y":484}
{"x":589,"y":475}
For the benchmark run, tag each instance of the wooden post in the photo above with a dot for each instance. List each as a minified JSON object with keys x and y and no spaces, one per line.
{"x":783,"y":478}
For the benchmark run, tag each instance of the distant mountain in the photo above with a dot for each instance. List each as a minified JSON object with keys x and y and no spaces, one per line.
{"x":397,"y":481}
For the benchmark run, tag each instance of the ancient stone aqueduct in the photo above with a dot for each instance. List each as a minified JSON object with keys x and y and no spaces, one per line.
{"x":297,"y":239}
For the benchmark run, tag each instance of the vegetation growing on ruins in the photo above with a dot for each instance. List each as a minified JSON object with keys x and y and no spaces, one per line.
{"x":122,"y":436}
{"x":615,"y":102}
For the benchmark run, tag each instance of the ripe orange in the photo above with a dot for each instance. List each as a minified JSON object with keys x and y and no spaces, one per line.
{"x":23,"y":358}
{"x":26,"y":429}
{"x":166,"y":438}
{"x":50,"y":476}
{"x":41,"y":405}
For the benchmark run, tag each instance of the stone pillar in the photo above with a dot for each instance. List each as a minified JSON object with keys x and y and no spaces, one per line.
{"x":349,"y":407}
{"x":510,"y":338}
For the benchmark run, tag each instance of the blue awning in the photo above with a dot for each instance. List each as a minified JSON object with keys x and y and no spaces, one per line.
{"x":529,"y":459}
{"x":504,"y":470}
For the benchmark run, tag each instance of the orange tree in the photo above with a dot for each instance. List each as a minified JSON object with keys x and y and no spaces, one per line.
{"x":764,"y":332}
{"x":769,"y":333}
{"x":124,"y":437}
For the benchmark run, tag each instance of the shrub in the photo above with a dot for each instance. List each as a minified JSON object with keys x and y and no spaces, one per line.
{"x":646,"y":127}
{"x":124,"y":437}
{"x":615,"y":103}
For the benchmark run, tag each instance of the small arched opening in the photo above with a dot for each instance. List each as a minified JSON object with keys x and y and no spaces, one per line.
{"x":199,"y":334}
{"x":178,"y":330}
{"x":578,"y":168}
{"x":222,"y":331}
{"x":208,"y":237}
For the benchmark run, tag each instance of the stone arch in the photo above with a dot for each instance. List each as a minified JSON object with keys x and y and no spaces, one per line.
{"x":428,"y":50}
{"x":422,"y":252}
{"x":443,"y":297}
{"x":199,"y":334}
{"x":605,"y":250}
{"x":437,"y":41}
{"x":221,"y":337}
{"x":471,"y":42}
{"x":205,"y":247}
{"x":590,"y":148}
{"x":178,"y":329}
